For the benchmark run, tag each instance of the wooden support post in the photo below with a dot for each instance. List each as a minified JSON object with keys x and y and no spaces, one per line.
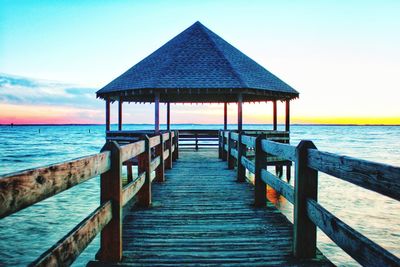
{"x":120,"y":114}
{"x":224,"y":153}
{"x":225,"y":116}
{"x":241,"y":170}
{"x":306,"y":187}
{"x":160,"y":177}
{"x":156,"y":112}
{"x":176,"y":145}
{"x":107,"y":114}
{"x":219,"y":144}
{"x":229,"y":156}
{"x":288,"y":172}
{"x":144,"y":160}
{"x":260,"y":188}
{"x":275,"y":115}
{"x":287,"y":117}
{"x":111,"y":189}
{"x":129,"y":171}
{"x":168,"y":116}
{"x":240,"y":107}
{"x":168,"y":163}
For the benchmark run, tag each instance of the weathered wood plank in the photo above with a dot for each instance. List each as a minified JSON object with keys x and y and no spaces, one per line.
{"x":378,"y":177}
{"x":154,"y":141}
{"x":154,"y":164}
{"x":280,"y":186}
{"x":166,"y":154}
{"x":363,"y":250}
{"x":234,"y":136}
{"x":279,"y":149}
{"x":22,"y":189}
{"x":234,"y":153}
{"x":132,"y":150}
{"x":67,"y":249}
{"x":165,"y":136}
{"x":249,"y":141}
{"x":248,"y":164}
{"x":130,"y":190}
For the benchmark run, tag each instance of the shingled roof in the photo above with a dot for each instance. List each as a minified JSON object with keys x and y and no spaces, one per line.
{"x":197,"y":66}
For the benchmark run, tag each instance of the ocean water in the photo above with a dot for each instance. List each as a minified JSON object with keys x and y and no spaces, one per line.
{"x":28,"y":233}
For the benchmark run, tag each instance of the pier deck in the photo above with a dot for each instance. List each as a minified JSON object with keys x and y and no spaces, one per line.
{"x":202,"y":216}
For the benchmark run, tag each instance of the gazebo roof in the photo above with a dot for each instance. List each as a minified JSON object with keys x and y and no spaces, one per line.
{"x":197,"y":66}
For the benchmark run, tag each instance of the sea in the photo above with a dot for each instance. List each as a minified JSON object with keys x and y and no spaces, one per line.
{"x":27,"y":234}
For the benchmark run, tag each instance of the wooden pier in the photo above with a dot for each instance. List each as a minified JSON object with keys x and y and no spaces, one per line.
{"x":193,"y":208}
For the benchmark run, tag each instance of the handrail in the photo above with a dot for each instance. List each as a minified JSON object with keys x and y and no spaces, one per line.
{"x":308,"y":213}
{"x":25,"y":188}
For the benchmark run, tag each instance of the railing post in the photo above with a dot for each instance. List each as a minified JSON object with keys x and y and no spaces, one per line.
{"x":219,"y":145}
{"x":260,"y":188}
{"x":168,"y":164}
{"x":241,"y":170}
{"x":144,"y":160}
{"x":160,"y":177}
{"x":111,"y":189}
{"x":306,"y":187}
{"x":223,"y":146}
{"x":176,"y":145}
{"x":229,"y":157}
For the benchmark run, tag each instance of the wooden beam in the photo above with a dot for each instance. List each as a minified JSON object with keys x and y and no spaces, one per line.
{"x":240,"y":108}
{"x":260,"y":188}
{"x":275,"y":115}
{"x":144,"y":162}
{"x":168,"y":116}
{"x":120,"y":114}
{"x":157,"y":112}
{"x":287,"y":116}
{"x":107,"y":114}
{"x":225,"y":116}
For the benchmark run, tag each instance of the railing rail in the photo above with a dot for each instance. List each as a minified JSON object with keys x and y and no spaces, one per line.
{"x":25,"y":188}
{"x":308,"y":213}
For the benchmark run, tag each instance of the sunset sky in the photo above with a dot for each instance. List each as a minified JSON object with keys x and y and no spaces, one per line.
{"x":342,"y":56}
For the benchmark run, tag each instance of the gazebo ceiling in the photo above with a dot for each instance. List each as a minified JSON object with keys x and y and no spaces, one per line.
{"x":197,"y":66}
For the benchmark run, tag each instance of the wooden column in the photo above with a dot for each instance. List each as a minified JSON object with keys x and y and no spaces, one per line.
{"x":168,"y":117}
{"x":160,"y":177}
{"x":241,"y":170}
{"x":225,"y":116}
{"x":260,"y":188}
{"x":156,"y":112}
{"x":168,"y":162}
{"x":306,"y":187}
{"x":111,"y":190}
{"x":107,"y":114}
{"x":120,"y":114}
{"x":275,"y":116}
{"x":287,"y":113}
{"x":229,"y":157}
{"x":240,"y":118}
{"x":144,"y":161}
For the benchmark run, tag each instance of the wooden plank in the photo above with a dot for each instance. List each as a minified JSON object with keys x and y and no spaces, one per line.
{"x":22,"y":189}
{"x":278,"y":149}
{"x":362,"y":249}
{"x":154,"y":141}
{"x":249,"y":141}
{"x":377,"y":177}
{"x":280,"y":186}
{"x":132,"y":188}
{"x":234,"y":153}
{"x":248,"y":164}
{"x":132,"y":150}
{"x":154,"y":164}
{"x":111,"y":190}
{"x":165,"y":137}
{"x":166,"y":154}
{"x":67,"y":249}
{"x":234,"y":136}
{"x":306,"y":187}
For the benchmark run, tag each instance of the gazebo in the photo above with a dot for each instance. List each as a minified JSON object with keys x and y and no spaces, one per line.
{"x":197,"y":66}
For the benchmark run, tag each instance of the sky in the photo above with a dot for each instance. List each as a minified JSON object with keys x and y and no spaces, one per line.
{"x":342,"y":56}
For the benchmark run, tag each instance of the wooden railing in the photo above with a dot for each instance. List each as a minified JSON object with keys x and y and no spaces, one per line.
{"x":308,"y":213}
{"x":196,"y":139}
{"x":25,"y":188}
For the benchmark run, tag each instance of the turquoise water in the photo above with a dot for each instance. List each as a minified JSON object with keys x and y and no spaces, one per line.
{"x":26,"y":234}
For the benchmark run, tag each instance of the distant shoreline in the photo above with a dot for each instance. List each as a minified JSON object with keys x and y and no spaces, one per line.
{"x":83,"y":124}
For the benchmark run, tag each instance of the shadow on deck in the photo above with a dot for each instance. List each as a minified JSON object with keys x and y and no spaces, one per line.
{"x":202,"y":216}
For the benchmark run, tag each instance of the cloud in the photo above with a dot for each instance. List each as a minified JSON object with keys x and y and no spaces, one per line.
{"x":26,"y":91}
